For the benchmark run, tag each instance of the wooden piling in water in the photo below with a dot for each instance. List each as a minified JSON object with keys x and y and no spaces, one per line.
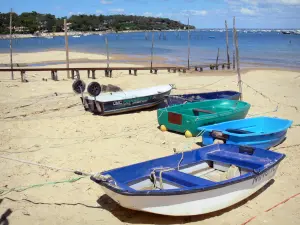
{"x":233,"y":40}
{"x":238,"y":63}
{"x":107,"y":51}
{"x":10,"y":43}
{"x":67,"y":47}
{"x":152,"y":52}
{"x":188,"y":43}
{"x":227,"y":48}
{"x":217,"y":60}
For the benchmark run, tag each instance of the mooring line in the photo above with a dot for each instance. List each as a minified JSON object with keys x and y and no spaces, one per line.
{"x":46,"y":166}
{"x":280,"y":203}
{"x":271,"y":100}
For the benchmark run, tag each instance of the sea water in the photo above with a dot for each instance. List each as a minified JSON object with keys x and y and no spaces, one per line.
{"x":257,"y":48}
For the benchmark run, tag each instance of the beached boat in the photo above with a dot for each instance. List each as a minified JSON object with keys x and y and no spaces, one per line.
{"x":126,"y":101}
{"x":192,"y":183}
{"x":260,"y":132}
{"x":197,"y":97}
{"x":186,"y":118}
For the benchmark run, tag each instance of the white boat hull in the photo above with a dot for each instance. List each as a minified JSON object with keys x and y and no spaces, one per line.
{"x":126,"y":101}
{"x":196,"y":203}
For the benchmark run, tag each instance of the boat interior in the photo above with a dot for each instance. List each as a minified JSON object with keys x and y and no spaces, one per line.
{"x":205,"y":108}
{"x":195,"y":169}
{"x":206,"y":173}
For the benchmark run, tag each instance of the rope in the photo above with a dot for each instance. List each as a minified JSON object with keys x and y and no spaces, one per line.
{"x":280,"y":203}
{"x":161,"y":171}
{"x":46,"y":166}
{"x":292,"y":106}
{"x":20,"y":189}
{"x":289,"y":146}
{"x":160,"y":177}
{"x":180,"y":160}
{"x":275,"y":110}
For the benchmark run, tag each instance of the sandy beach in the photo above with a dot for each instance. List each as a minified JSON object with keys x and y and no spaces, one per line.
{"x":44,"y":122}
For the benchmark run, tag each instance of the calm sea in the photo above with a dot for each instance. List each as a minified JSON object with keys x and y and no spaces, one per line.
{"x":258,"y":48}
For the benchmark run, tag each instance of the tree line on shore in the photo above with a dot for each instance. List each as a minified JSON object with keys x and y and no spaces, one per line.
{"x":32,"y":22}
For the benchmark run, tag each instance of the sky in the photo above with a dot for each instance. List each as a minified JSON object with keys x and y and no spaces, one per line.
{"x":202,"y":13}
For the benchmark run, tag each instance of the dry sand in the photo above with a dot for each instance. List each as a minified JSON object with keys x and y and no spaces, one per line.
{"x":44,"y":122}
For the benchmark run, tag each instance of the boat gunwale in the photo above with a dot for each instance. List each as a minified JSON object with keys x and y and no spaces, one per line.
{"x":234,"y":95}
{"x":190,"y":190}
{"x":124,"y":97}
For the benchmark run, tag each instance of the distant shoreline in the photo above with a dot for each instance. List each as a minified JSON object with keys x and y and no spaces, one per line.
{"x":86,"y":33}
{"x":79,"y":33}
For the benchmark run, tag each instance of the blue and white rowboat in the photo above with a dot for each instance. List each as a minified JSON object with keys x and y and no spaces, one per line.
{"x":191,"y":183}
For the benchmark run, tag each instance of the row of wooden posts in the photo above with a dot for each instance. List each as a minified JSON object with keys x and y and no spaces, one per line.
{"x":91,"y":72}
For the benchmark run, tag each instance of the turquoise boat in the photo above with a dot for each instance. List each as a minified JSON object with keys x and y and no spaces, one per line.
{"x":186,"y":118}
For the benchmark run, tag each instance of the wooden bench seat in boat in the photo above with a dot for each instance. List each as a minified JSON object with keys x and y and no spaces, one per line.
{"x":241,"y":160}
{"x":184,"y":179}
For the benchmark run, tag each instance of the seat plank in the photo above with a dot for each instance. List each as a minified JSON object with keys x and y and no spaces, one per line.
{"x":203,"y":110}
{"x":184,"y":179}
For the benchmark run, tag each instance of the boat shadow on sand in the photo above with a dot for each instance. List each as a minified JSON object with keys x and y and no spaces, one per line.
{"x":138,"y":217}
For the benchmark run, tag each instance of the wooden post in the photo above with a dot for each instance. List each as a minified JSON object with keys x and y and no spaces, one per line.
{"x":152,"y":51}
{"x":227,"y":48}
{"x":67,"y":47}
{"x":22,"y":76}
{"x":188,"y":43}
{"x":10,"y":44}
{"x":238,"y":63}
{"x":107,"y":51}
{"x":217,"y":60}
{"x":233,"y":50}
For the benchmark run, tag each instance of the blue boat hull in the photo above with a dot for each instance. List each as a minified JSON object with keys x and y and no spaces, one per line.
{"x":259,"y":132}
{"x":197,"y":97}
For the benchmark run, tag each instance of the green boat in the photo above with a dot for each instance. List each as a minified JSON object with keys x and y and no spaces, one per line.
{"x":186,"y":118}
